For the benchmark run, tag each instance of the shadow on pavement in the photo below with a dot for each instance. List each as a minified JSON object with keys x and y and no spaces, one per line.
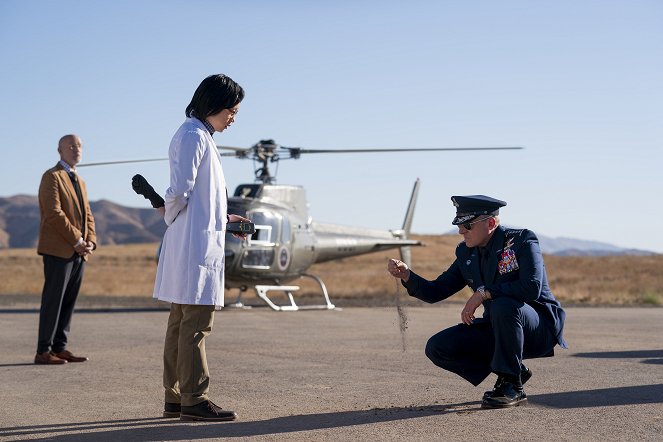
{"x":653,"y":356}
{"x":638,"y":394}
{"x":90,"y":310}
{"x":150,"y":429}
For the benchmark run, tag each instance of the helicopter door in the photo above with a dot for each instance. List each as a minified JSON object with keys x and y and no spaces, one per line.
{"x":284,"y":251}
{"x":260,"y":245}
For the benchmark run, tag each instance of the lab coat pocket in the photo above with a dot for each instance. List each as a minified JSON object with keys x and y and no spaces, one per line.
{"x":213,"y":249}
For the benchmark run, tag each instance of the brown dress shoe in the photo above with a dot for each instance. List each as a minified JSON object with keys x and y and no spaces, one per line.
{"x":69,"y":357}
{"x":48,"y":358}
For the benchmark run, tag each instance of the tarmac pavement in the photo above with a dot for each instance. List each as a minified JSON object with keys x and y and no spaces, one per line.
{"x":330,"y":375}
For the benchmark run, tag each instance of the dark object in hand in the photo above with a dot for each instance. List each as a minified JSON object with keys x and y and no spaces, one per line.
{"x":241,"y":228}
{"x":142,"y":187}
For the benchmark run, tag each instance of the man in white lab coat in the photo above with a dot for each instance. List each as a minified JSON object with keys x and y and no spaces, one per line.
{"x":191,"y":262}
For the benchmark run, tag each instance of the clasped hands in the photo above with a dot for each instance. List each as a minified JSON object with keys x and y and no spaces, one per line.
{"x":84,"y":248}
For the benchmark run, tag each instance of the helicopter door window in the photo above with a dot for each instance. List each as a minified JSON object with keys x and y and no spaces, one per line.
{"x":262,"y":236}
{"x":267,"y":228}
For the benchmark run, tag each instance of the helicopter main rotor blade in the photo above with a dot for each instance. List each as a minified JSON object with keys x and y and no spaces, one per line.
{"x":106,"y":163}
{"x":299,"y":150}
{"x":237,"y":149}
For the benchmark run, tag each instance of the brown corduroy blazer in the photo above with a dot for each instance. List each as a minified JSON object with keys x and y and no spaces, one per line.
{"x":61,"y":216}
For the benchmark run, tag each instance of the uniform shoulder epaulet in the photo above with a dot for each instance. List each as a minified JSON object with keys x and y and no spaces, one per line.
{"x":513,"y":232}
{"x":520,"y":234}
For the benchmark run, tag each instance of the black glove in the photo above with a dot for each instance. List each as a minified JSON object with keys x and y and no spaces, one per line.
{"x":142,"y":187}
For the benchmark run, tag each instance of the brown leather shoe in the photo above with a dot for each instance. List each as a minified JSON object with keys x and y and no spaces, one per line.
{"x":48,"y":358}
{"x":69,"y":357}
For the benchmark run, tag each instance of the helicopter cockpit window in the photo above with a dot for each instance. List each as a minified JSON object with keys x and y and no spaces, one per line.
{"x":248,"y":190}
{"x":266,"y":224}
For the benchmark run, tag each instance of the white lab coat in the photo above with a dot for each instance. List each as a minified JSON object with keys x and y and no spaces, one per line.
{"x":192,"y":259}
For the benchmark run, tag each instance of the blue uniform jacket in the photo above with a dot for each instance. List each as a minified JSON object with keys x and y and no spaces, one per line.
{"x":517,"y":270}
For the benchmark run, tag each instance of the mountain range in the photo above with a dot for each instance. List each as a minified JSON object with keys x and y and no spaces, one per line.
{"x":116,"y":224}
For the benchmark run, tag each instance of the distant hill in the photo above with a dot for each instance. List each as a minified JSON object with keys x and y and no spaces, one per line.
{"x":115,"y":224}
{"x":578,"y":247}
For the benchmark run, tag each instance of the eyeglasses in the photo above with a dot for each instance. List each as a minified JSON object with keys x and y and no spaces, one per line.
{"x":468,"y":226}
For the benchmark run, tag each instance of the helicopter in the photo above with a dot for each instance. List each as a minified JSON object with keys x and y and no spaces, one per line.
{"x":286,"y":241}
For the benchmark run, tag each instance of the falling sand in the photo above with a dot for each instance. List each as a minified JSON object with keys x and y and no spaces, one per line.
{"x":402,"y":314}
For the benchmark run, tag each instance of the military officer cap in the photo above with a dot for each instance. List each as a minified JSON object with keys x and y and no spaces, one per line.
{"x":473,"y":206}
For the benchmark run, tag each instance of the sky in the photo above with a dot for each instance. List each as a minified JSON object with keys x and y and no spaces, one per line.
{"x":576,"y":83}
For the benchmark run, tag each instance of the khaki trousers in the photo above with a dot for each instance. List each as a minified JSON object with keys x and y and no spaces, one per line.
{"x":185,"y":372}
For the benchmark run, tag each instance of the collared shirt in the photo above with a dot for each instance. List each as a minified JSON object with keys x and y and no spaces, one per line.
{"x":208,"y":126}
{"x":73,"y":175}
{"x":67,"y":167}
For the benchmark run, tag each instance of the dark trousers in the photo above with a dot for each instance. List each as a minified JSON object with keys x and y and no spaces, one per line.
{"x":62,"y":281}
{"x":512,"y":332}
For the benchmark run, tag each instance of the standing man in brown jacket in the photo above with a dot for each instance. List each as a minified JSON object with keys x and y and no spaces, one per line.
{"x":66,"y":239}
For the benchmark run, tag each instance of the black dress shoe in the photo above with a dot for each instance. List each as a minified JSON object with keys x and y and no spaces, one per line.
{"x":207,"y":411}
{"x":171,"y":410}
{"x":525,"y":376}
{"x":505,"y":396}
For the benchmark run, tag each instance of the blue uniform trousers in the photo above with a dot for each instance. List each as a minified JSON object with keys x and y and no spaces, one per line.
{"x":510,"y":332}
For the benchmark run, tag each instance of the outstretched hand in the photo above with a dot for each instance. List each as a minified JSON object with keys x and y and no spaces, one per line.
{"x":398,"y":269}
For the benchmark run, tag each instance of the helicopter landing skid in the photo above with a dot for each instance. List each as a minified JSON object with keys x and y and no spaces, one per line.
{"x":262,"y":290}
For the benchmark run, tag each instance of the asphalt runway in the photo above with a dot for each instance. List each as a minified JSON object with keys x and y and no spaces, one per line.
{"x":331,"y":375}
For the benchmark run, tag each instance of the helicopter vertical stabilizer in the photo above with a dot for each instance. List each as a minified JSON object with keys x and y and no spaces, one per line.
{"x":406,"y":254}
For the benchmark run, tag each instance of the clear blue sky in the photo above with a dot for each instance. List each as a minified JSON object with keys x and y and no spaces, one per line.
{"x":578,"y":83}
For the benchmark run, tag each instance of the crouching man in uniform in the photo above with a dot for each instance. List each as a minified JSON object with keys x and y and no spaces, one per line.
{"x":521,"y":319}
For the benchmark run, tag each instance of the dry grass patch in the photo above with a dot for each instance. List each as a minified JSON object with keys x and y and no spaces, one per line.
{"x":128,"y":271}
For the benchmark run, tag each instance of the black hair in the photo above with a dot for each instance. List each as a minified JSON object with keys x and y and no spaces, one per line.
{"x":214,"y":94}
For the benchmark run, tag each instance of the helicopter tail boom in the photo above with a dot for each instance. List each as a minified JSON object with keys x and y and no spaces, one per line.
{"x":340,"y":241}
